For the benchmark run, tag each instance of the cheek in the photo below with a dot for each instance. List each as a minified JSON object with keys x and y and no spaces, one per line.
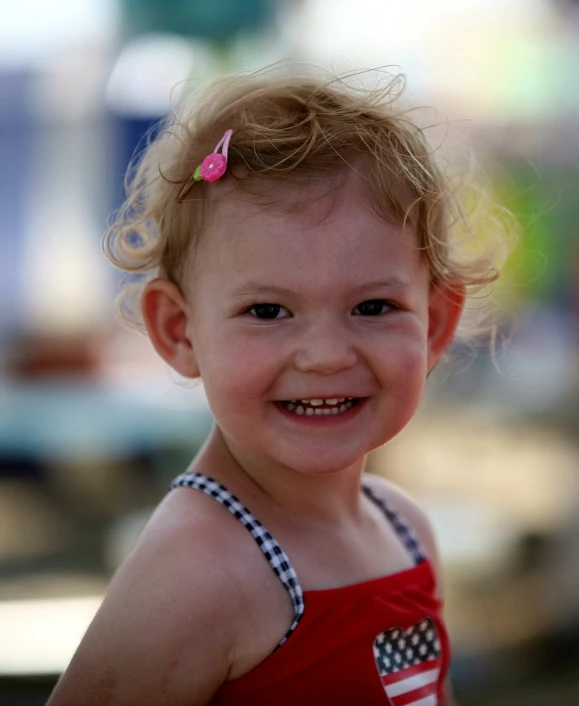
{"x":235,"y":375}
{"x":403,"y":369}
{"x":406,"y":351}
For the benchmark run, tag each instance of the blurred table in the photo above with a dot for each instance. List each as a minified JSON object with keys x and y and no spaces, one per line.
{"x":62,"y":418}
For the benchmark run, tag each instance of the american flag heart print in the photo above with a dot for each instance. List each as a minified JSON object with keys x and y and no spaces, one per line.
{"x":409,"y":662}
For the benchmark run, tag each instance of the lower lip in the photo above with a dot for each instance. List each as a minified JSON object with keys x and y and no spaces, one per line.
{"x":323,"y":420}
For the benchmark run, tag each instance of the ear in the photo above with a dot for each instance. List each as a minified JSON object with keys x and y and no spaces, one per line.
{"x":446,"y":303}
{"x":165,"y":314}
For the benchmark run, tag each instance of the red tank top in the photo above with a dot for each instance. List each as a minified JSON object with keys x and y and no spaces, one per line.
{"x":377,"y":643}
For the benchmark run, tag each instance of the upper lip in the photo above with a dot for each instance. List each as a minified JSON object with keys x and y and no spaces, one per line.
{"x":322,"y":397}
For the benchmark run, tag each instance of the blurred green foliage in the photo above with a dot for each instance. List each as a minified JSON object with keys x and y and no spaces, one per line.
{"x":544,"y":203}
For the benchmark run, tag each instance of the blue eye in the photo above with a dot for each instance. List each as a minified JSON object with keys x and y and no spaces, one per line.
{"x":373,"y":307}
{"x":268,"y":311}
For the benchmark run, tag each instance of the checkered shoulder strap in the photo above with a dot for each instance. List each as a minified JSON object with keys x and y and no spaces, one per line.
{"x":273,"y":552}
{"x":401,"y":527}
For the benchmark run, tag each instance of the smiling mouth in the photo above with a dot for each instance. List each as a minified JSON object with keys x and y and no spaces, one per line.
{"x":320,"y":407}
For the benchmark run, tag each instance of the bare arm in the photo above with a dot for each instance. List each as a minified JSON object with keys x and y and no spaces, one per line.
{"x":421,"y":524}
{"x":449,"y":699}
{"x":426,"y":535}
{"x":165,"y":633}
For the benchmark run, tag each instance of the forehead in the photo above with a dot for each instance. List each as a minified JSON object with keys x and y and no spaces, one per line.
{"x":304,"y":232}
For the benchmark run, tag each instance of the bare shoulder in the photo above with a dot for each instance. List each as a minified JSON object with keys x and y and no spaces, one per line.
{"x":412,"y":512}
{"x":166,"y":631}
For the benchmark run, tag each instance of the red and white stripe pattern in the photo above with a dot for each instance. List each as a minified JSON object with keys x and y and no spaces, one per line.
{"x":409,"y":663}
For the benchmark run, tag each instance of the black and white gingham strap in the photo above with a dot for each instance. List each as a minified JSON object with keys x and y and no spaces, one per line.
{"x":270,"y":548}
{"x":401,"y":527}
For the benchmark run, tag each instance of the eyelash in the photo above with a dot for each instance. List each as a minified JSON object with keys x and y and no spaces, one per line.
{"x":384,"y":302}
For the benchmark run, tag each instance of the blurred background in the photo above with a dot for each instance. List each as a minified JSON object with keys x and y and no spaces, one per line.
{"x":93,"y":427}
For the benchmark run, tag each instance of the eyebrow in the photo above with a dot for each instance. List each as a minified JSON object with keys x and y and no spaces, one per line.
{"x":254,"y":288}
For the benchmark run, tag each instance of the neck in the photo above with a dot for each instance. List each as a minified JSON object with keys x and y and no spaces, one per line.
{"x":327,"y":499}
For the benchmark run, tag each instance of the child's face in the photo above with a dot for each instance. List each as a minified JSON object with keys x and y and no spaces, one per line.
{"x":350,"y":297}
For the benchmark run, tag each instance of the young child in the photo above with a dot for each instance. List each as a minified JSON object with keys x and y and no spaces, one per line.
{"x":295,"y":243}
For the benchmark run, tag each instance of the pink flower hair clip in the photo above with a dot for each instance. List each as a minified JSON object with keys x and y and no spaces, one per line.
{"x":211,"y":168}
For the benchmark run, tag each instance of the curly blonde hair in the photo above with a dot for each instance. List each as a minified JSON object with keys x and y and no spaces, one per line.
{"x":292,"y":128}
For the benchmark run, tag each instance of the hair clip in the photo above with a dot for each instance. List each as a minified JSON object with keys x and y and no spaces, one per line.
{"x":211,"y":168}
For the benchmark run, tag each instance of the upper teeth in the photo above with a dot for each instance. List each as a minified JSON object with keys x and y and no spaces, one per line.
{"x":319,"y":403}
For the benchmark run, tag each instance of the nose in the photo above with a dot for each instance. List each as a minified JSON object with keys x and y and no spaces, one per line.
{"x":325,"y":349}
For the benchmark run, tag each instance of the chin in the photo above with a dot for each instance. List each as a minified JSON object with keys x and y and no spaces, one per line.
{"x":316,"y":464}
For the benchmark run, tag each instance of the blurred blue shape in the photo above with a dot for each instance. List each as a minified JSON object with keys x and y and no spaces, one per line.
{"x":16,"y":135}
{"x":138,"y":95}
{"x":55,"y":420}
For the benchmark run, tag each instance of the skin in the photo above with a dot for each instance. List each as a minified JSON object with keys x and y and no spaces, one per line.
{"x":356,"y":316}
